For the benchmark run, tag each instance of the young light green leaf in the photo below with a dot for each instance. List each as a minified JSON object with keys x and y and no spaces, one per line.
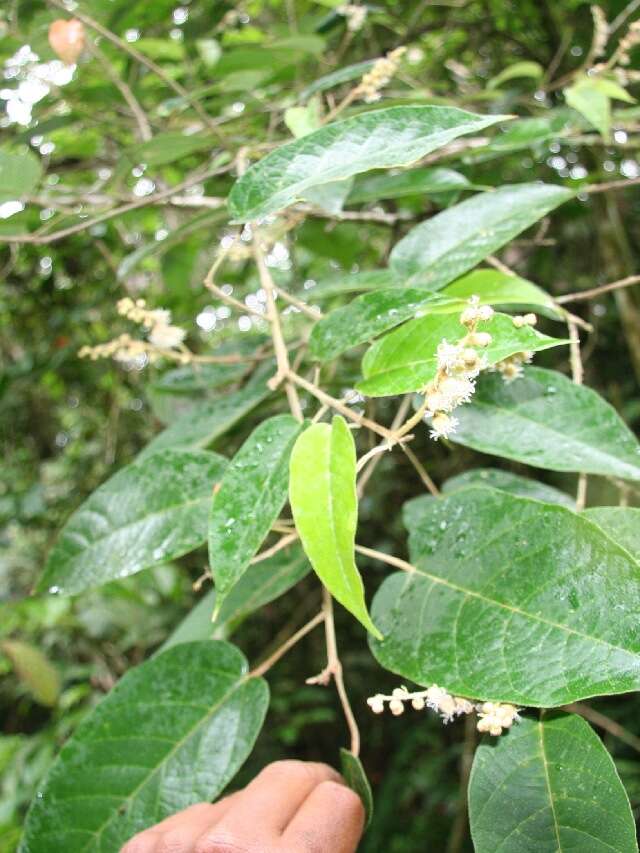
{"x":397,"y":136}
{"x":34,"y":669}
{"x":356,"y":779}
{"x":498,"y":288}
{"x":506,"y":481}
{"x":620,"y":523}
{"x":592,"y":103}
{"x":527,"y":132}
{"x":203,"y":424}
{"x":549,"y":785}
{"x":370,"y":315}
{"x":322,"y":493}
{"x":172,"y":732}
{"x":251,"y":495}
{"x":405,"y":360}
{"x":444,"y":247}
{"x":407,"y":183}
{"x":507,"y":603}
{"x":261,"y":583}
{"x":19,"y":174}
{"x":532,"y":70}
{"x":147,"y":514}
{"x":544,"y":419}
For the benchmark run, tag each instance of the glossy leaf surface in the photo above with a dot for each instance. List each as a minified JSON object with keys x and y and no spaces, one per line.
{"x":621,"y":523}
{"x":185,"y":388}
{"x":379,"y":139}
{"x":405,"y":360}
{"x":546,"y":420}
{"x":173,"y":732}
{"x":506,"y":481}
{"x":511,"y":601}
{"x":498,"y":288}
{"x":549,"y":786}
{"x":322,"y":493}
{"x":444,"y":247}
{"x":147,"y":514}
{"x":251,"y":495}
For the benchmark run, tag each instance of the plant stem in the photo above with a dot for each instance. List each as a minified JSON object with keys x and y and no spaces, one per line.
{"x":581,"y":295}
{"x":266,"y":665}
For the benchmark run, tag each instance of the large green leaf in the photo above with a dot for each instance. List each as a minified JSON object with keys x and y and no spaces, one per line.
{"x":498,"y":288}
{"x":34,"y":669}
{"x":172,"y":732}
{"x":442,"y":248}
{"x":620,"y":523}
{"x":201,"y":425}
{"x":511,"y":601}
{"x":405,"y":360}
{"x":549,"y":786}
{"x":516,"y":70}
{"x":397,"y":136}
{"x":406,"y":183}
{"x":322,"y":492}
{"x":261,"y":583}
{"x":591,"y":97}
{"x":146,"y":514}
{"x":506,"y":481}
{"x":370,"y":315}
{"x":546,"y":420}
{"x":250,"y":498}
{"x":19,"y":174}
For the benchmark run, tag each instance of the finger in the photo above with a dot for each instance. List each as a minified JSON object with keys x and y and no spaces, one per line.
{"x":178,"y":833}
{"x":269,"y":802}
{"x":331,"y":818}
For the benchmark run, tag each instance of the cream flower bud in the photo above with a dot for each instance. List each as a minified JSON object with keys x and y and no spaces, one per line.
{"x":396,"y":707}
{"x":376,"y":704}
{"x":418,"y":703}
{"x":479,"y":339}
{"x":166,"y":337}
{"x":530,"y":319}
{"x":442,"y":426}
{"x":485,"y":312}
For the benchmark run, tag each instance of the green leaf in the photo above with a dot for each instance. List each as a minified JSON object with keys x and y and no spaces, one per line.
{"x":592,"y":103}
{"x":620,"y":523}
{"x":329,"y":196}
{"x":166,"y":148}
{"x":356,"y":779}
{"x":407,"y":183}
{"x":498,"y":288}
{"x":549,"y":786}
{"x":322,"y":492}
{"x":370,"y":315}
{"x":533,"y":70}
{"x":303,"y":120}
{"x":260,"y":584}
{"x":544,"y":419}
{"x":250,"y":498}
{"x":373,"y":140}
{"x":173,"y":732}
{"x":184,"y":388}
{"x":527,"y":132}
{"x":405,"y":360}
{"x":203,"y":424}
{"x":442,"y":248}
{"x":511,"y":601}
{"x":354,"y":282}
{"x":495,"y":478}
{"x":19,"y":174}
{"x":34,"y":670}
{"x":341,"y":75}
{"x":147,"y":514}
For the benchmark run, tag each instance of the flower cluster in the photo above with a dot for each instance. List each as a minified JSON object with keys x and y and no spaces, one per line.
{"x":521,"y":320}
{"x":600,"y":32}
{"x":165,"y":340}
{"x":381,"y":73}
{"x":511,"y":368}
{"x":458,"y":366}
{"x":493,"y":717}
{"x":158,"y":321}
{"x":355,"y":16}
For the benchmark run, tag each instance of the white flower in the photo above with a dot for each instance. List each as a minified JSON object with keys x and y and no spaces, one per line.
{"x":493,"y":717}
{"x":166,"y":337}
{"x":448,"y":356}
{"x":442,"y":426}
{"x":455,"y":390}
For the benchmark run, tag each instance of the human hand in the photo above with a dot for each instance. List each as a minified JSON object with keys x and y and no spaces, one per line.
{"x":290,"y":807}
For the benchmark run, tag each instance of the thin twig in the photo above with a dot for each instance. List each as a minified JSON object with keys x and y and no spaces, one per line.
{"x":279,"y":345}
{"x":386,"y":558}
{"x":45,"y":239}
{"x":610,"y":185}
{"x":311,"y":312}
{"x":266,"y":665}
{"x":426,"y":479}
{"x":139,"y":114}
{"x":581,"y":295}
{"x":333,"y":670}
{"x":269,"y":552}
{"x":577,"y":373}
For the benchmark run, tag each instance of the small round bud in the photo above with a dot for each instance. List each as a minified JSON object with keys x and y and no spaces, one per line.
{"x":530,"y":319}
{"x":480,"y":339}
{"x":418,"y":703}
{"x":518,"y":321}
{"x":485,"y":312}
{"x":376,"y":704}
{"x":396,"y":707}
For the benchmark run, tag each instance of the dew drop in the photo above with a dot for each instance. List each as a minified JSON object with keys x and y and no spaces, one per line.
{"x":54,"y":590}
